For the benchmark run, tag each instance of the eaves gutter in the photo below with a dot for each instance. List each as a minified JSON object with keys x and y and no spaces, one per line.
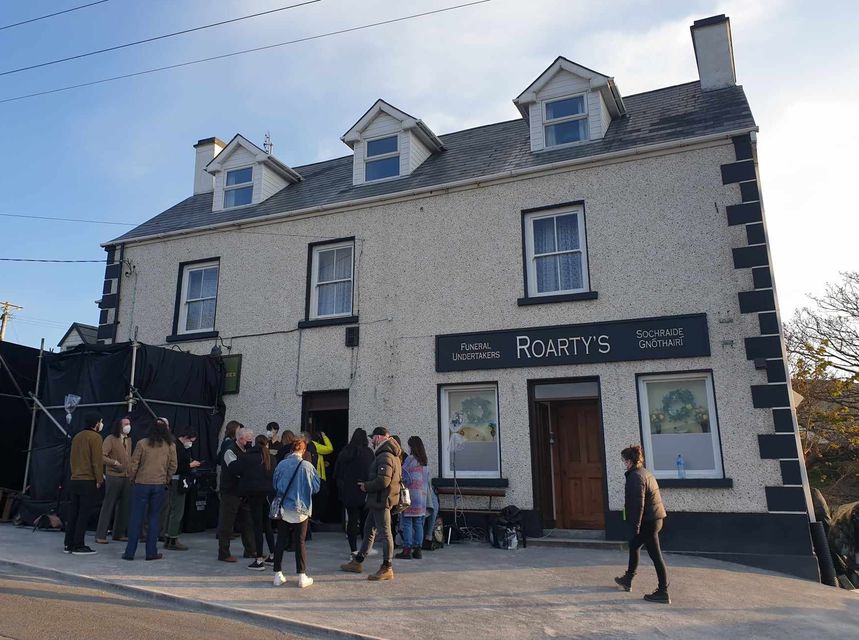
{"x":457,"y":184}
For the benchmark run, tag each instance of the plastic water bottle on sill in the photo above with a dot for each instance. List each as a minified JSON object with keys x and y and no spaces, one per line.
{"x":681,"y":467}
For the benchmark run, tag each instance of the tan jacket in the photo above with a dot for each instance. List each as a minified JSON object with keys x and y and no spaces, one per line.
{"x":152,"y":465}
{"x":116,"y":449}
{"x":86,"y":457}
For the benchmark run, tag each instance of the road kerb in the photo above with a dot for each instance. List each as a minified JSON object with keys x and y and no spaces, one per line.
{"x":297,"y":627}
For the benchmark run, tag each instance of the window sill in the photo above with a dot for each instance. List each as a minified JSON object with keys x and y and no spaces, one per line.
{"x":472,"y":482}
{"x":190,"y":337}
{"x":696,"y":483}
{"x":327,"y":322}
{"x":564,"y":297}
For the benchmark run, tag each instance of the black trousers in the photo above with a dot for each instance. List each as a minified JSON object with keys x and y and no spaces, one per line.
{"x":85,"y":499}
{"x":234,"y":508}
{"x":290,"y":534}
{"x":355,"y":517}
{"x":648,"y":537}
{"x":259,"y":507}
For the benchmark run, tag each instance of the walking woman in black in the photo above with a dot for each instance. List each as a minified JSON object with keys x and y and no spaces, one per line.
{"x":352,"y":467}
{"x":255,"y":469}
{"x":644,"y":512}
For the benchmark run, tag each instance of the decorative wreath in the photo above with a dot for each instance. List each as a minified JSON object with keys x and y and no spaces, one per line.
{"x":678,"y":404}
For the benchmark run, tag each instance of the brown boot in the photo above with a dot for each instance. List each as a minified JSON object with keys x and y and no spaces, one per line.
{"x":405,"y":554}
{"x":353,"y":566}
{"x":384,"y":573}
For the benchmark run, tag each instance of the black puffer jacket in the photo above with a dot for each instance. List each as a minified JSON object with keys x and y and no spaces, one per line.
{"x":352,"y":467}
{"x":383,"y":479}
{"x":252,"y":474}
{"x":643,"y":500}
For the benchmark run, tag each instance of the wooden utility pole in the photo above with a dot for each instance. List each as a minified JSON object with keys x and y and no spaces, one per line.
{"x":4,"y":318}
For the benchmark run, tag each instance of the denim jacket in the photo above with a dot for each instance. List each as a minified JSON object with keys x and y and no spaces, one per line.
{"x":299,"y":498}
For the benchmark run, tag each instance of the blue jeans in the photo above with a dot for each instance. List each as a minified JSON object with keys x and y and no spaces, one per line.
{"x":143,"y":496}
{"x":413,"y":531}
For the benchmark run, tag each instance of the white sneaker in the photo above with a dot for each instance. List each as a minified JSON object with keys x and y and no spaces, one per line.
{"x":304,"y":581}
{"x":279,"y":579}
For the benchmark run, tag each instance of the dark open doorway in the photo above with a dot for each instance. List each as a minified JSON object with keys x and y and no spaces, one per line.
{"x":327,"y":412}
{"x":567,"y":452}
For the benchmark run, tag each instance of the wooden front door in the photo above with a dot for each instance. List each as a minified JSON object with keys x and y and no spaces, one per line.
{"x":578,"y":465}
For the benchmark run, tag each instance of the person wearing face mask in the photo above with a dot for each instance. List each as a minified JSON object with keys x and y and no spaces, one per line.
{"x":272,"y":433}
{"x":87,"y":473}
{"x":233,"y":506}
{"x":179,"y":485}
{"x":116,"y":452}
{"x":644,"y":511}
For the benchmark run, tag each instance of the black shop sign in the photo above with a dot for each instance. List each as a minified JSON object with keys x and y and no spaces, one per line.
{"x":642,"y":339}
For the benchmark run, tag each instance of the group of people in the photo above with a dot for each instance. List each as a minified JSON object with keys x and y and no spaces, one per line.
{"x":266,"y":487}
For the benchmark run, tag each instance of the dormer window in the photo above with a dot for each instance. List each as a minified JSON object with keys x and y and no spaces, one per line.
{"x":383,"y":158}
{"x":569,"y":104}
{"x":246,"y":175}
{"x":566,"y":120}
{"x":388,"y":143}
{"x":239,"y":187}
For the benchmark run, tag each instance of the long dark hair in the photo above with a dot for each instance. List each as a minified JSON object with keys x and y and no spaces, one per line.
{"x":418,"y":450}
{"x":116,"y":430}
{"x":262,"y":442}
{"x":358,"y":439}
{"x":159,"y":433}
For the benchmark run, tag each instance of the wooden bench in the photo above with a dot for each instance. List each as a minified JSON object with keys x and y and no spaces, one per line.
{"x":485,"y":492}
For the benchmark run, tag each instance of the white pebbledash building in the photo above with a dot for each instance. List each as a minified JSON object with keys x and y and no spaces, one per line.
{"x":529,"y":297}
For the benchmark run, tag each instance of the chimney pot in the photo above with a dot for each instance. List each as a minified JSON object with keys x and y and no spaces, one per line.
{"x":714,"y":52}
{"x":206,"y":150}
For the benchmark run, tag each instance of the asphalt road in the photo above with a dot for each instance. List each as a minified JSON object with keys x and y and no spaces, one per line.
{"x":43,"y":609}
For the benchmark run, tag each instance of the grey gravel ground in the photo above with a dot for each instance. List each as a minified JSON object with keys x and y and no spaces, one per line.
{"x":471,"y":591}
{"x":48,"y":609}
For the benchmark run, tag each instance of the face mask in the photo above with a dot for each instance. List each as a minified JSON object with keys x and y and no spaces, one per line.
{"x":268,"y":434}
{"x":126,"y":429}
{"x":188,"y":445}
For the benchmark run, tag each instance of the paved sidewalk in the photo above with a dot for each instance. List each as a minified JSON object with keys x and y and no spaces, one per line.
{"x":474,"y":592}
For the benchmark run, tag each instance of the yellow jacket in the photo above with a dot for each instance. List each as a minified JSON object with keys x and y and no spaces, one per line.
{"x":324,"y":448}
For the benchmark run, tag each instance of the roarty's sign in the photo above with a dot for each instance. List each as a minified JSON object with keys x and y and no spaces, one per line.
{"x":642,"y":339}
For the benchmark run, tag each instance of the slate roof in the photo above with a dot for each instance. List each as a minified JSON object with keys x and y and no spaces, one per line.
{"x":660,"y":116}
{"x":88,"y":333}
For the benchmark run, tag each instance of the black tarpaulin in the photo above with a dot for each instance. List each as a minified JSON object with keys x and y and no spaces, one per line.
{"x":14,"y":411}
{"x":102,"y":374}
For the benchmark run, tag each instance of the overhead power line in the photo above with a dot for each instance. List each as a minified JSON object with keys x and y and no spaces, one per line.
{"x":51,"y":15}
{"x":238,"y":53}
{"x":154,"y":38}
{"x":38,"y":260}
{"x":21,"y":215}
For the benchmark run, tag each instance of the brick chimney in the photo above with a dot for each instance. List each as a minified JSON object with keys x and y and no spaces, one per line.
{"x":714,"y":52}
{"x":206,"y":150}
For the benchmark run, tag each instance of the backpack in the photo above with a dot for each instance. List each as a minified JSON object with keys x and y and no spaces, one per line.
{"x":436,"y":539}
{"x":506,"y":532}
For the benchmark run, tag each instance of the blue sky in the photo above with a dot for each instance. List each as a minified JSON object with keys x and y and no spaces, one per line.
{"x":122,"y":151}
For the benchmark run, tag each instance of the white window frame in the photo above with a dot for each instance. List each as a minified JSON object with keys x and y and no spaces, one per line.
{"x":444,"y":430}
{"x":715,"y":435}
{"x":314,"y":281}
{"x":531,"y":256}
{"x":183,"y":297}
{"x":241,"y":185}
{"x":578,"y":116}
{"x":382,"y":156}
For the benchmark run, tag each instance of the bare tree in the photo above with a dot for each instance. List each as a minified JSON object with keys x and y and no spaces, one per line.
{"x":823,"y":354}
